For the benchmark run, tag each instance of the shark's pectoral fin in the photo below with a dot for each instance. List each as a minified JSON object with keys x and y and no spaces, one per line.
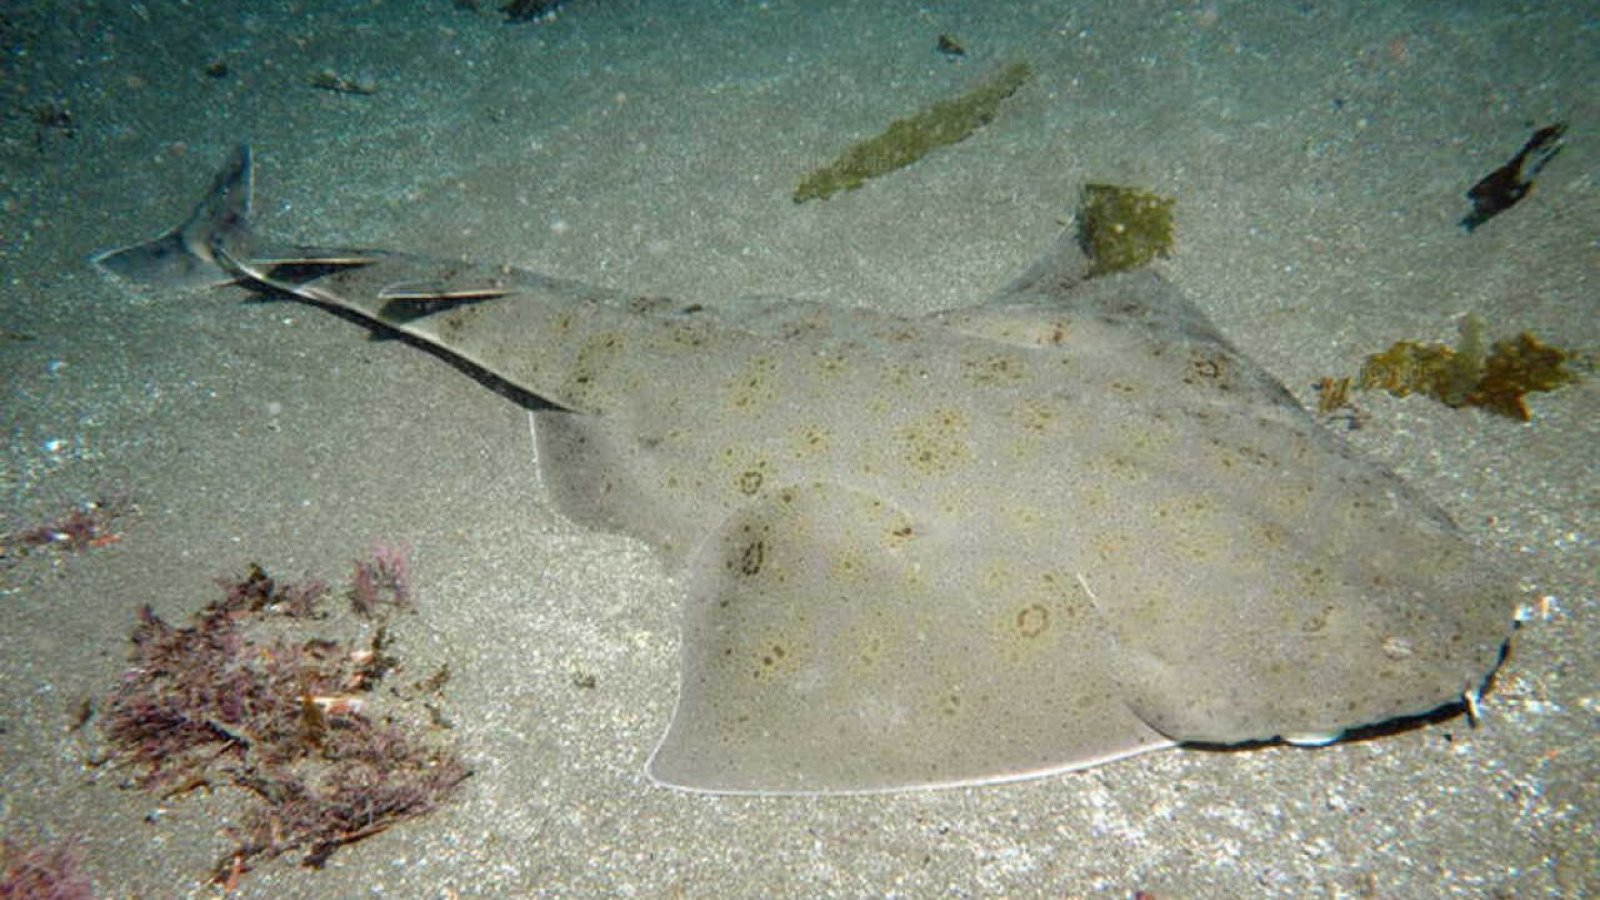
{"x":831,"y":645}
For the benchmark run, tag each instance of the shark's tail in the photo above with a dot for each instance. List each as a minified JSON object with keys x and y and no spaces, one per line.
{"x":185,"y":258}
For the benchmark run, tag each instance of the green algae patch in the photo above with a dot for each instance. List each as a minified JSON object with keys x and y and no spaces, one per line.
{"x":1496,"y":378}
{"x":908,"y":140}
{"x":1123,"y":228}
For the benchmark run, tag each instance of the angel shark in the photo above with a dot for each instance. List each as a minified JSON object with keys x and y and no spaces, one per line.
{"x":1065,"y":526}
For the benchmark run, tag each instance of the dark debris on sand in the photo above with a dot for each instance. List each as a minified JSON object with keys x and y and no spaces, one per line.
{"x":244,"y":699}
{"x":84,"y":526}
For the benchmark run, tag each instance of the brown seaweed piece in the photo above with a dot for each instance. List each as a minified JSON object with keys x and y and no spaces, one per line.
{"x":329,"y":80}
{"x":1496,"y":380}
{"x":1504,"y":187}
{"x":1122,"y":228}
{"x":1515,"y":367}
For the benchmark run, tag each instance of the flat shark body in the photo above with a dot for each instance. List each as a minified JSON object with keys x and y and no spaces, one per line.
{"x":1062,"y":527}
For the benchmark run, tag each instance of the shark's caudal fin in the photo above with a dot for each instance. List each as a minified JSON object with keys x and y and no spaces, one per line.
{"x":183,"y":258}
{"x":214,"y":246}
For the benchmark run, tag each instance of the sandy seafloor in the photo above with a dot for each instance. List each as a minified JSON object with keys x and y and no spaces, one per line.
{"x":1318,"y":151}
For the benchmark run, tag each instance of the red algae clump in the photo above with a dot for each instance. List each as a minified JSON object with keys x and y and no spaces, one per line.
{"x":243,"y":698}
{"x":46,"y":871}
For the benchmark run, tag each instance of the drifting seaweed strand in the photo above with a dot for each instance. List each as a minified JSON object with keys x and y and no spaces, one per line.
{"x":908,"y":140}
